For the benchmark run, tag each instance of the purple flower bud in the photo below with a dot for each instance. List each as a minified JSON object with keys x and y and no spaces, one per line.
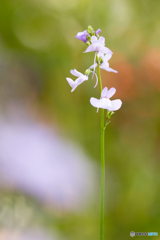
{"x":82,"y":36}
{"x":98,"y":31}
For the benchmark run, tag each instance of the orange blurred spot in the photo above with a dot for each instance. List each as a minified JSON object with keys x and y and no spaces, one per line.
{"x":123,"y":81}
{"x":151,"y":65}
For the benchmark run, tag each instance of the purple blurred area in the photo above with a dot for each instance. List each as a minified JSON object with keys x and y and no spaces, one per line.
{"x":25,"y":235}
{"x":36,"y":160}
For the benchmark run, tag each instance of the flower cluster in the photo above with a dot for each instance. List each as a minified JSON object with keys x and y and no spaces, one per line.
{"x":96,"y":43}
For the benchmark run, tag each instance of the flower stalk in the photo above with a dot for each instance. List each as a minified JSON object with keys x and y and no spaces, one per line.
{"x":102,"y":158}
{"x":96,"y":44}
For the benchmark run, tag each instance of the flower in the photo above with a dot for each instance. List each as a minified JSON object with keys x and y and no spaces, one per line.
{"x":82,"y":36}
{"x":104,"y":65}
{"x":104,"y":102}
{"x":81,"y":78}
{"x":98,"y":31}
{"x":98,"y":45}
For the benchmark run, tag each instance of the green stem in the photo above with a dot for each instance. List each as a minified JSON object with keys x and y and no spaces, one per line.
{"x":102,"y":159}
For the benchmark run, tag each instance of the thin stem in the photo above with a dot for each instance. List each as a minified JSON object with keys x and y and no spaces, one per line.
{"x":99,"y":75}
{"x":102,"y":159}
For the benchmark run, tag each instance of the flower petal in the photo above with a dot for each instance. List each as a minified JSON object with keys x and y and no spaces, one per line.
{"x":111,"y":92}
{"x":86,"y":33}
{"x":76,"y":83}
{"x":95,"y":47}
{"x":116,"y":104}
{"x":82,"y":36}
{"x":112,"y":70}
{"x":98,"y":31}
{"x":79,"y":34}
{"x":90,"y":49}
{"x":76,"y":73}
{"x":107,"y":57}
{"x":102,"y":40}
{"x":101,"y":103}
{"x":106,"y":67}
{"x":70,"y":81}
{"x":104,"y":92}
{"x":106,"y":50}
{"x":81,"y":79}
{"x":93,"y":39}
{"x":93,"y":66}
{"x":101,"y":54}
{"x":96,"y":78}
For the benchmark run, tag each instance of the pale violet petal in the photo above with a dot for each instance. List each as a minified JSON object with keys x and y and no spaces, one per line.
{"x":96,"y":79}
{"x":85,"y":77}
{"x":101,"y":103}
{"x":104,"y":65}
{"x":77,"y":83}
{"x":93,"y":39}
{"x":106,"y":50}
{"x":116,"y":104}
{"x":102,"y":40}
{"x":80,"y":33}
{"x":98,"y":47}
{"x":95,"y":102}
{"x":107,"y":57}
{"x":111,"y":92}
{"x":101,"y":54}
{"x":112,"y":70}
{"x":86,"y":33}
{"x":80,"y":80}
{"x":82,"y":36}
{"x":107,"y":68}
{"x":93,"y":66}
{"x":74,"y":88}
{"x":71,"y":82}
{"x":90,"y":49}
{"x":104,"y":92}
{"x":94,"y":61}
{"x":98,"y":31}
{"x":95,"y":47}
{"x":76,"y":73}
{"x":105,"y":103}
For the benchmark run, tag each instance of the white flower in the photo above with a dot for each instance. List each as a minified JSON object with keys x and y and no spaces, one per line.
{"x":81,"y":78}
{"x":98,"y":45}
{"x":104,"y":102}
{"x":104,"y":65}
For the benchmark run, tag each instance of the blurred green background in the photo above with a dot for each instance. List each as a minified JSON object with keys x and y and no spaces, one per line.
{"x":37,"y":50}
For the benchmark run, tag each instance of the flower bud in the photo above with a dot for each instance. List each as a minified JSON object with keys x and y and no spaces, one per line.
{"x":100,"y":60}
{"x":109,"y":114}
{"x":88,"y":72}
{"x":98,"y":31}
{"x":90,"y":30}
{"x":88,"y":43}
